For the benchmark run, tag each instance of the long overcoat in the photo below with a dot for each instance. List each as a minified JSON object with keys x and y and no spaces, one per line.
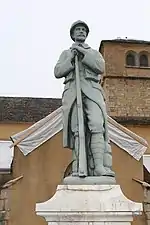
{"x":93,"y":64}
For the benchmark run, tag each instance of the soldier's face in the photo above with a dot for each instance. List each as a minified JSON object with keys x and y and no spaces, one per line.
{"x":80,"y":33}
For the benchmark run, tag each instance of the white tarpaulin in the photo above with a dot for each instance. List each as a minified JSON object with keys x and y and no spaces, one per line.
{"x":6,"y":155}
{"x":46,"y":128}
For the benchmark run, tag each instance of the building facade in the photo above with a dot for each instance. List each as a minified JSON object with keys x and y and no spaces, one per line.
{"x":127,"y":79}
{"x":127,"y":83}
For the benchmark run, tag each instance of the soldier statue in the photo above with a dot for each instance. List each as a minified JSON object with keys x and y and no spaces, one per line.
{"x":91,"y":66}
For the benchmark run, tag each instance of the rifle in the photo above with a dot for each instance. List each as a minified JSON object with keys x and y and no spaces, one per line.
{"x":81,"y":149}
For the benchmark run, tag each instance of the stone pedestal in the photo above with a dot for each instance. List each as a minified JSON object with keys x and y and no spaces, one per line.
{"x":88,"y":205}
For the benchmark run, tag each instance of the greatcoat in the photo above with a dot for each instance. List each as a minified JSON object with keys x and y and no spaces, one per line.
{"x":93,"y":66}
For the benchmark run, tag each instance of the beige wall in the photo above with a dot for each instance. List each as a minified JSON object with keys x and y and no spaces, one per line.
{"x":9,"y":129}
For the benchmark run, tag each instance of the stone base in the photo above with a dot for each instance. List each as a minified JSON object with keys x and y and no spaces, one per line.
{"x":70,"y":180}
{"x":88,"y":204}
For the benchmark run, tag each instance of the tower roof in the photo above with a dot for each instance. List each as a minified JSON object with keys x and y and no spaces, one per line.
{"x":124,"y":41}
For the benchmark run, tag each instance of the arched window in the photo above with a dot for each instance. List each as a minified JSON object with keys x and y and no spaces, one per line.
{"x":130,"y":59}
{"x":143,"y":60}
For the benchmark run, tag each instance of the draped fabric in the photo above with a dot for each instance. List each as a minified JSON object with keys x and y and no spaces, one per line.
{"x":52,"y":124}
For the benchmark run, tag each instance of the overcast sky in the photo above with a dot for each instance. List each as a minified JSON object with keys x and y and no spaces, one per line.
{"x":33,"y":33}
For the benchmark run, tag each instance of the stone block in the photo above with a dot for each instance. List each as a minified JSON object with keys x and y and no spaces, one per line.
{"x":89,"y":205}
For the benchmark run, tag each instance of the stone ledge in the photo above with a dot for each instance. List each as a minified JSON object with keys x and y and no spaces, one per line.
{"x":75,"y":204}
{"x":101,"y":180}
{"x":88,"y":217}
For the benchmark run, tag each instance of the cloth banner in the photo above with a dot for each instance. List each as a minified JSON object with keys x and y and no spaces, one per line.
{"x":52,"y":124}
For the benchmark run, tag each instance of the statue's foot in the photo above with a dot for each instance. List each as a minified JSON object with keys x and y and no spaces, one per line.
{"x":103,"y":171}
{"x":75,"y":174}
{"x":109,"y":172}
{"x":100,"y":171}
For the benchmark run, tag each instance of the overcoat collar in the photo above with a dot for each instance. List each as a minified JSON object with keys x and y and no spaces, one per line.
{"x":84,"y":45}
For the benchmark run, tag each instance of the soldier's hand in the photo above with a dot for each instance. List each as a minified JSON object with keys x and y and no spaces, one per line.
{"x":74,"y":53}
{"x":80,"y":49}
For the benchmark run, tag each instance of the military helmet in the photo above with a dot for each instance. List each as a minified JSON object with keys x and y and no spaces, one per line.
{"x":78,"y":22}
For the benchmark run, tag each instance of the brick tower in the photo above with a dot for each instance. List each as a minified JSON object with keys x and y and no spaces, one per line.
{"x":127,"y":79}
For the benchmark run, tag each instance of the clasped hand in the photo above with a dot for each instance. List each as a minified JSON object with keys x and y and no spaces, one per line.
{"x":77,"y":50}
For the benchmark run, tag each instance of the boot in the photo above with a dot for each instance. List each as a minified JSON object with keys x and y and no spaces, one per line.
{"x":75,"y":155}
{"x":108,"y":160}
{"x":97,"y":148}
